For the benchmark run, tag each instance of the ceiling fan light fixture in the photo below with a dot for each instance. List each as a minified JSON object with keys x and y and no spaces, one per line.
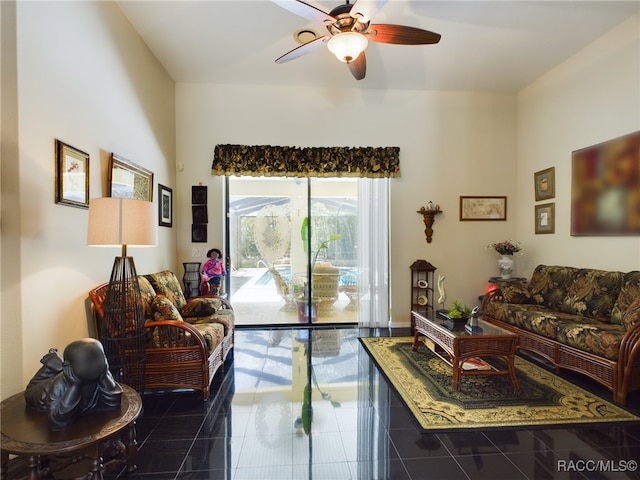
{"x":347,"y":46}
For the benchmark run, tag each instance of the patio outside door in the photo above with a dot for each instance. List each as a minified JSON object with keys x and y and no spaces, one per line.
{"x":293,"y":248}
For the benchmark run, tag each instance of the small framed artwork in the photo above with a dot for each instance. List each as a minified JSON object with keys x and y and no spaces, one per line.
{"x":165,"y":206}
{"x":128,"y":180}
{"x":546,"y":218}
{"x":199,"y":195}
{"x":545,"y":184}
{"x":483,"y":208}
{"x":199,"y":213}
{"x":72,"y":176}
{"x":199,"y":233}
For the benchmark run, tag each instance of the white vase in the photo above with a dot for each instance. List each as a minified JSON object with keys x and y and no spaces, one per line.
{"x":505,"y":263}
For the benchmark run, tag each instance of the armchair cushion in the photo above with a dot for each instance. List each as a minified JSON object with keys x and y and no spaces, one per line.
{"x":163,"y":309}
{"x":515,"y":293}
{"x":222,"y":317}
{"x":213,"y":334}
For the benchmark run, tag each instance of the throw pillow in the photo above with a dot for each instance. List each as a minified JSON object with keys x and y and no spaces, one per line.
{"x":632,"y":316}
{"x":163,"y":309}
{"x":201,"y":306}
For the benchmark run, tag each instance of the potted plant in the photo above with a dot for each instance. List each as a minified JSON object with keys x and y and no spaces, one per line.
{"x":324,"y":281}
{"x":457,"y":315}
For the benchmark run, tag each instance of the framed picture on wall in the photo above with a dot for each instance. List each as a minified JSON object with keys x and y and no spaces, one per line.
{"x":199,"y":195}
{"x":72,"y":176}
{"x":165,"y":206}
{"x":546,"y":218}
{"x":199,"y":214}
{"x":483,"y":208}
{"x":605,"y":188}
{"x":545,"y":184}
{"x":128,"y":180}
{"x":199,"y":233}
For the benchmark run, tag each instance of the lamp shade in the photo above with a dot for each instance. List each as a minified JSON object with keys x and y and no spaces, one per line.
{"x":121,"y":221}
{"x":347,"y":46}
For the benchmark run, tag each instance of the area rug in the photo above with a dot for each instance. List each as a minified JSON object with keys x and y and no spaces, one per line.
{"x":423,"y":381}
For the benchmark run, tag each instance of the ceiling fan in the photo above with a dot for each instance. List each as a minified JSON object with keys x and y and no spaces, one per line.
{"x":349,"y":32}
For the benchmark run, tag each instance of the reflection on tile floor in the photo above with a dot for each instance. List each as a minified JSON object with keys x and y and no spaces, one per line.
{"x":254,"y":427}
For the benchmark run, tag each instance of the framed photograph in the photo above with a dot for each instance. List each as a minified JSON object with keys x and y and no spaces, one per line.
{"x":72,"y":176}
{"x":128,"y":180}
{"x":165,"y":206}
{"x":483,"y":208}
{"x":546,"y":218}
{"x":545,"y":184}
{"x":199,"y":195}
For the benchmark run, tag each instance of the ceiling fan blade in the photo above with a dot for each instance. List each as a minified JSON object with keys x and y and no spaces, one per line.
{"x":308,"y":47}
{"x":305,"y":10}
{"x":401,"y":35}
{"x":358,"y":67}
{"x":366,"y":9}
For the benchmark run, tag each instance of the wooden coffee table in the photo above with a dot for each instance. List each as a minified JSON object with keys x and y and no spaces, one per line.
{"x":25,"y":433}
{"x":457,"y":346}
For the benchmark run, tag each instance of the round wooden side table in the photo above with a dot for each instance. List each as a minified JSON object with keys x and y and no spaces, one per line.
{"x":25,"y":433}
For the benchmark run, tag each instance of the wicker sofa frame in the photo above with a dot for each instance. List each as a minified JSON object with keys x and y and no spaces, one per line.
{"x":621,"y":376}
{"x":183,"y":361}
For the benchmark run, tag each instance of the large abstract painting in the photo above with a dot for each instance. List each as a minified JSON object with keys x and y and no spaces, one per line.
{"x":605,"y":191}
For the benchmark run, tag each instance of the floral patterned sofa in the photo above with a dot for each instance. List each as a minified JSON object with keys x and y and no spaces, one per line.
{"x":187,"y":340}
{"x":579,"y":319}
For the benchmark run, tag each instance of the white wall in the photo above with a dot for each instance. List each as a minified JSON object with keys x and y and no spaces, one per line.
{"x":85,"y":77}
{"x":451,"y":144}
{"x":592,"y":97}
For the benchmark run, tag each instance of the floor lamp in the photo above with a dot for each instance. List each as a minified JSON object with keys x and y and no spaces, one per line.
{"x":122,"y":222}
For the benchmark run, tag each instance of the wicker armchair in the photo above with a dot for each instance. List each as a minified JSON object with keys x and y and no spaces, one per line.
{"x":179,"y":354}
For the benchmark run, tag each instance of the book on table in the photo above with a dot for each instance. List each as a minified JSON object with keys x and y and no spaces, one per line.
{"x":475,"y":364}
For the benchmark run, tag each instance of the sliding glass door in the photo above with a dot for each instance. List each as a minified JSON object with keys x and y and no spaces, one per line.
{"x":293,"y":244}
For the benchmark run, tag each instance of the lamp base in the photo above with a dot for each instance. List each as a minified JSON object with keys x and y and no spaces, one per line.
{"x":122,"y":330}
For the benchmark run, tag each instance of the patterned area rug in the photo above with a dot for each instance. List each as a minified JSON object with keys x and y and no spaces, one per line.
{"x":424,"y":382}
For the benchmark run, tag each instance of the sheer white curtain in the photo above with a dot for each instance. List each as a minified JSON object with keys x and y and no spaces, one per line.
{"x":373,"y":252}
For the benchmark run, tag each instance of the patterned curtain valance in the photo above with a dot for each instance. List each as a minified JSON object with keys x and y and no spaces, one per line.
{"x":274,"y":161}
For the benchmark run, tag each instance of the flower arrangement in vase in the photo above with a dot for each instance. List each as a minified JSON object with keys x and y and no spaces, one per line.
{"x":506,"y":248}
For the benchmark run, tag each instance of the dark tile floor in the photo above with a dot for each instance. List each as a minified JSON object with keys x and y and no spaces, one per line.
{"x":252,"y":428}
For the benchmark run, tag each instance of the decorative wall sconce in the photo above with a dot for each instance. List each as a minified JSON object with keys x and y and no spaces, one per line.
{"x":428,"y":216}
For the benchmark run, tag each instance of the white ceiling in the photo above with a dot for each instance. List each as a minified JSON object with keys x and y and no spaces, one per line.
{"x":486,"y":45}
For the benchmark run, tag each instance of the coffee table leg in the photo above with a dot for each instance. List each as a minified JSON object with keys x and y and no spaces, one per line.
{"x":455,"y":383}
{"x":415,"y":342}
{"x":512,"y":372}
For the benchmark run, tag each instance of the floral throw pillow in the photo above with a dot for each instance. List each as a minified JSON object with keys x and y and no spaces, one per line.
{"x":201,"y":306}
{"x":163,"y":309}
{"x":632,"y":315}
